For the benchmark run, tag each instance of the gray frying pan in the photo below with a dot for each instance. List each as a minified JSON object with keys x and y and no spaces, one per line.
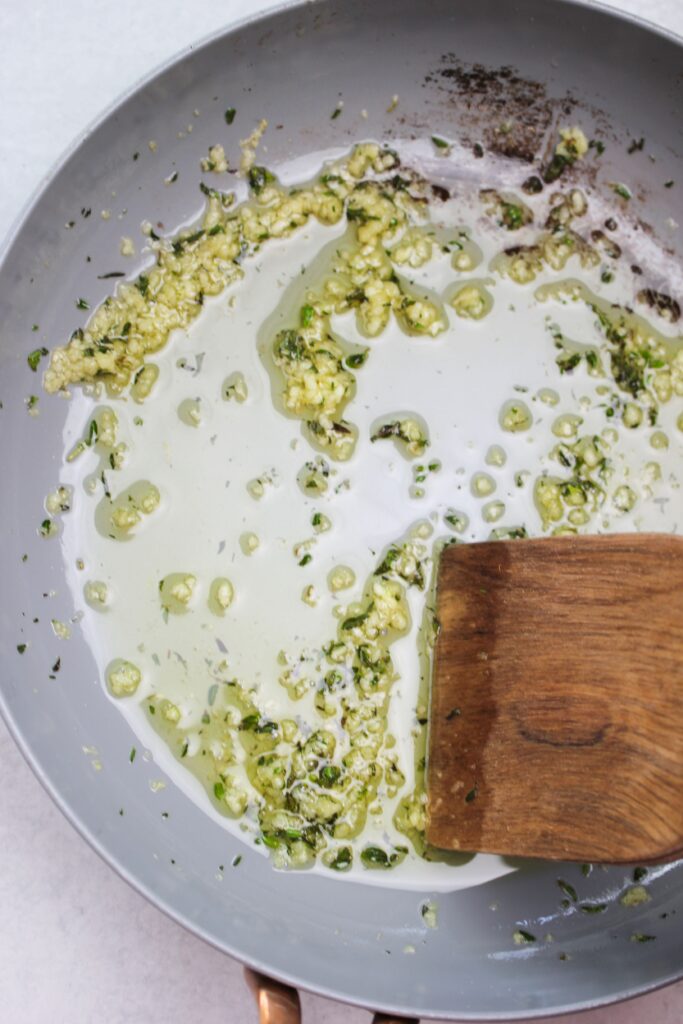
{"x":343,"y":940}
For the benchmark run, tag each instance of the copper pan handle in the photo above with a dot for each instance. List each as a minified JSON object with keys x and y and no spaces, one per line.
{"x":280,"y":1004}
{"x":277,"y":1003}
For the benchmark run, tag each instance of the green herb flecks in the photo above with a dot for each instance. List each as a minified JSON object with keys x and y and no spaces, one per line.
{"x":254,"y":723}
{"x":555,"y":168}
{"x":33,"y":359}
{"x":354,"y":621}
{"x":306,"y":315}
{"x":342,"y":859}
{"x":375,"y":857}
{"x":568,"y":890}
{"x":593,"y":908}
{"x":522,"y":937}
{"x":259,"y":177}
{"x":357,"y":359}
{"x":621,"y":190}
{"x":512,"y":216}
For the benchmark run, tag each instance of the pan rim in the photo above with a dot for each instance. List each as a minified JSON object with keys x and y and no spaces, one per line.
{"x":32,"y":758}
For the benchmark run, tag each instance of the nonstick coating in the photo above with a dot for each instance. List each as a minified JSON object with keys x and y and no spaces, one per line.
{"x":344,"y":940}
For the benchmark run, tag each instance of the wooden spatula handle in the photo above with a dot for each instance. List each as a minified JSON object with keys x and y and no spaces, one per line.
{"x":556,"y":723}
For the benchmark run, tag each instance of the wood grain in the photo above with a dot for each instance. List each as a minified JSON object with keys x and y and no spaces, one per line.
{"x":556,"y":721}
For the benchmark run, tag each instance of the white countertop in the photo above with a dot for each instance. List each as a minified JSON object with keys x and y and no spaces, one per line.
{"x":77,"y":944}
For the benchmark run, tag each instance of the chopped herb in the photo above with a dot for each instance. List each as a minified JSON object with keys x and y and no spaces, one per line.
{"x":512,"y":216}
{"x":236,"y":861}
{"x":180,"y":243}
{"x":356,"y":359}
{"x":229,"y":115}
{"x":34,"y":357}
{"x":471,"y":796}
{"x":290,"y":345}
{"x":586,"y":870}
{"x":342,"y":859}
{"x":306,"y":315}
{"x":253,"y":723}
{"x":593,"y":908}
{"x":306,"y":559}
{"x":636,"y":146}
{"x":142,"y":284}
{"x":82,"y":304}
{"x":453,"y":713}
{"x":21,"y":648}
{"x":555,"y":168}
{"x":568,"y":890}
{"x":329,"y":775}
{"x":597,"y":145}
{"x":356,"y":213}
{"x":357,"y":620}
{"x":669,"y":184}
{"x":373,"y":856}
{"x":218,"y":790}
{"x":621,"y":190}
{"x":639,"y":874}
{"x":131,"y":756}
{"x":568,"y":361}
{"x":112,"y":273}
{"x":440,"y":143}
{"x":478,"y":150}
{"x":522,"y":936}
{"x":642,"y":937}
{"x":37,"y":328}
{"x":335,"y":113}
{"x":259,"y":177}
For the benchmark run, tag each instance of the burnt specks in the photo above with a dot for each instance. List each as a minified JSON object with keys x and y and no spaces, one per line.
{"x":440,"y":192}
{"x":662,"y":304}
{"x":510,"y":114}
{"x":532,"y":185}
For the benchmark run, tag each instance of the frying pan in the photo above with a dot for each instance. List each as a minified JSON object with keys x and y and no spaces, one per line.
{"x":540,"y":60}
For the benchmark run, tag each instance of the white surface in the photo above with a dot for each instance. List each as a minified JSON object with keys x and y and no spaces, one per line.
{"x":77,"y":944}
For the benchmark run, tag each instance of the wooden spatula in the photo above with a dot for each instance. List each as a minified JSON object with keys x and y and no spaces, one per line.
{"x":556,"y":722}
